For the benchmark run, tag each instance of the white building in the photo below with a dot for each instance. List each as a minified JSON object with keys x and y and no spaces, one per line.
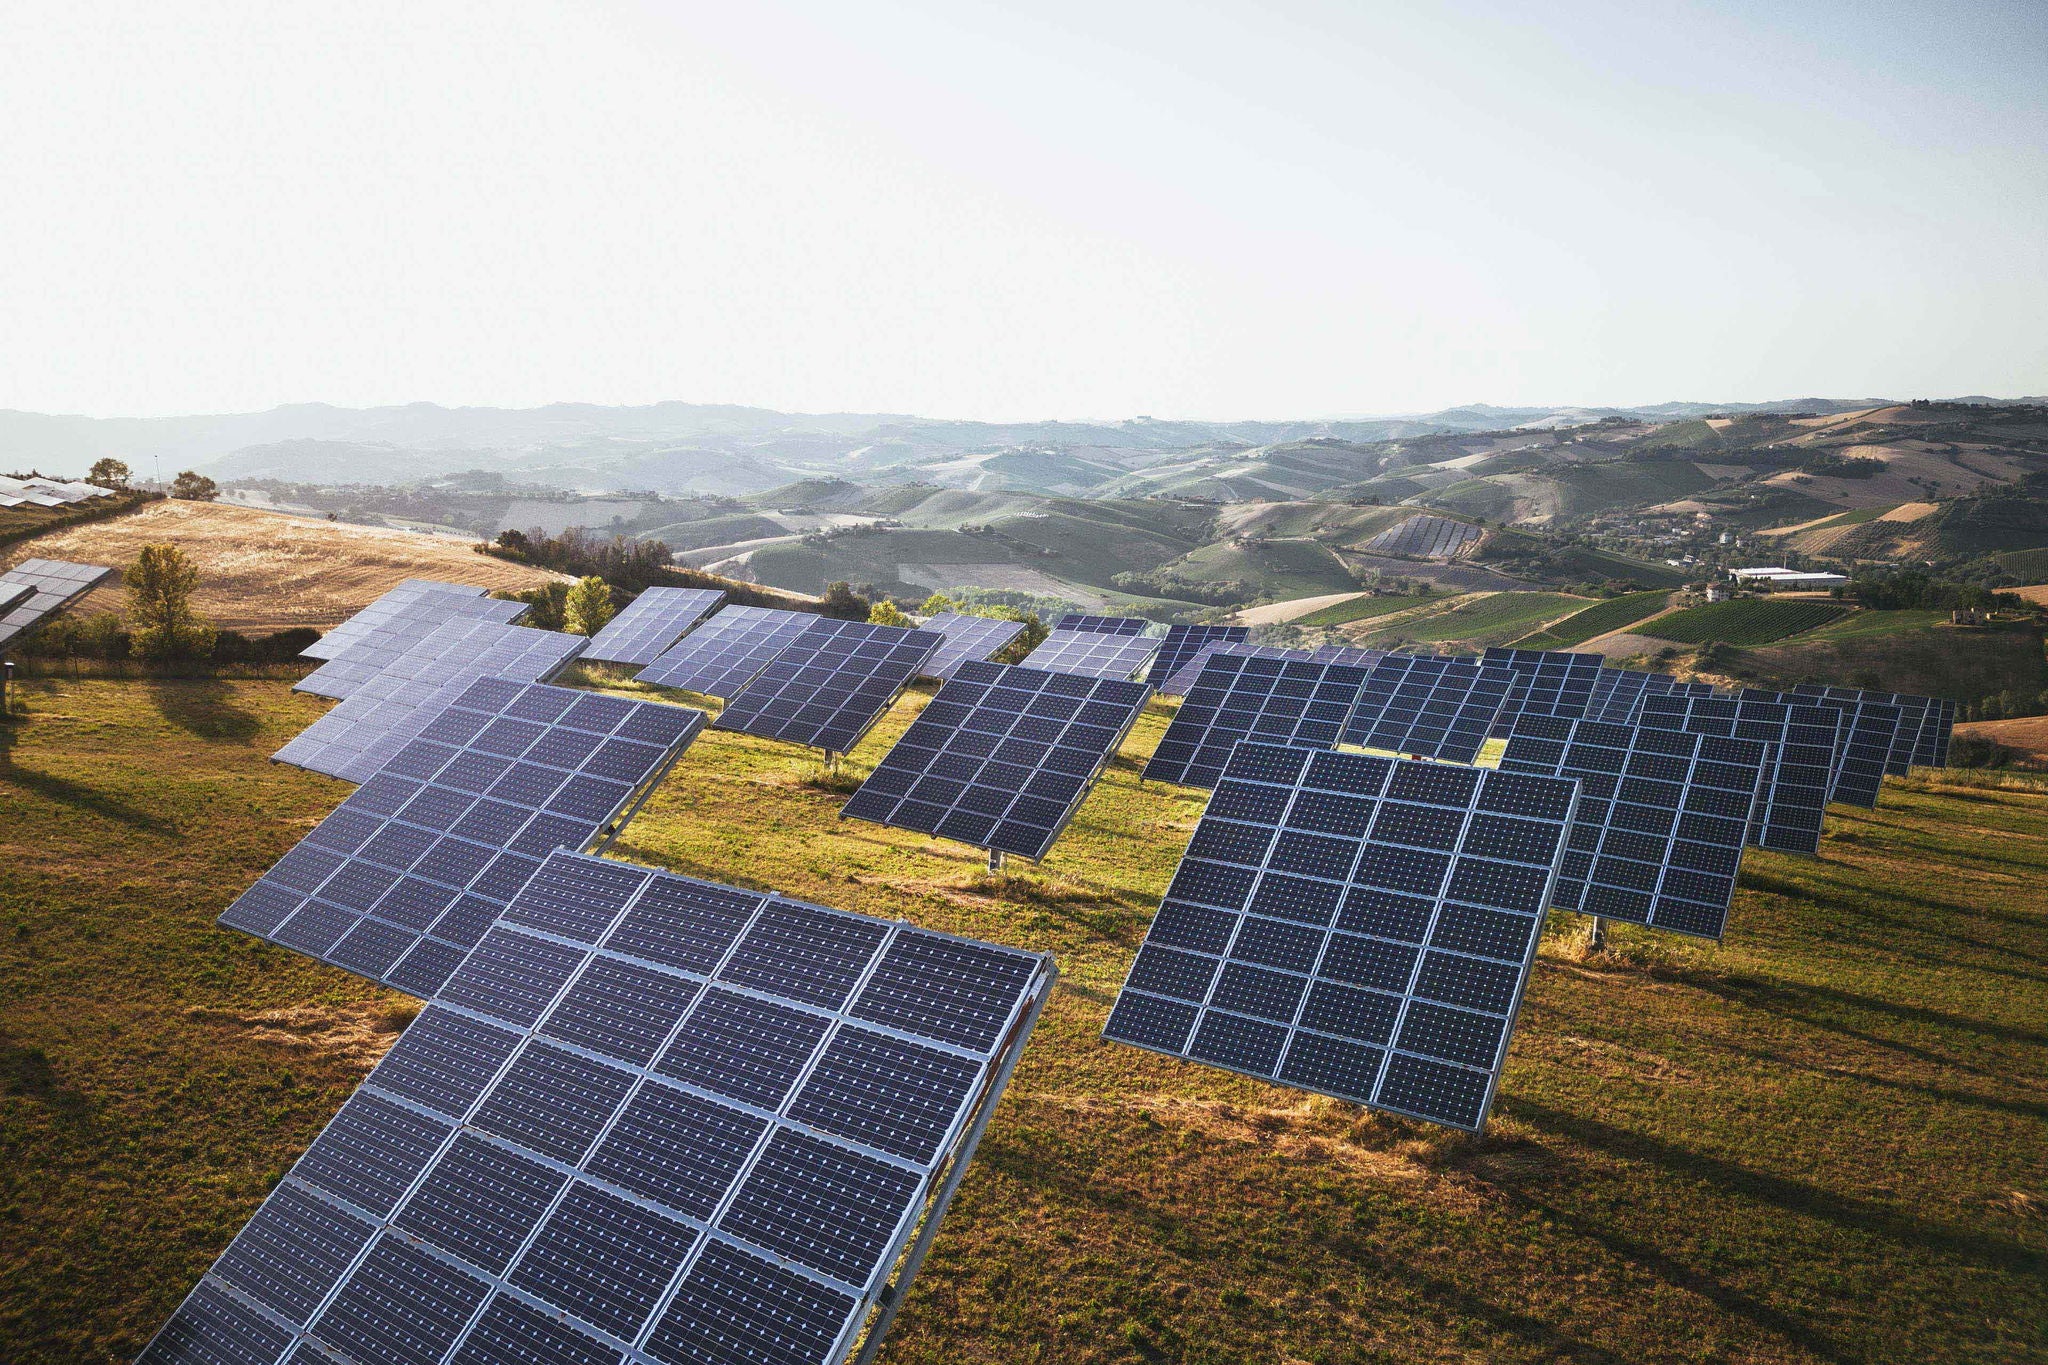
{"x":1787,"y":578}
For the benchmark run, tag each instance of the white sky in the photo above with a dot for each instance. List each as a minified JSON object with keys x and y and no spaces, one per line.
{"x":1019,"y":210}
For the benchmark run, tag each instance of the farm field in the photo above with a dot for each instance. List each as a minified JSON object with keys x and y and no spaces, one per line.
{"x":1366,"y":608}
{"x":1815,"y":1143}
{"x":1599,"y":619}
{"x":1489,"y":620}
{"x":1742,"y":621}
{"x":1864,"y":624}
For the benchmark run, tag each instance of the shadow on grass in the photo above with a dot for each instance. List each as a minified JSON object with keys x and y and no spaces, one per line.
{"x":1807,"y":1004}
{"x":64,"y":792}
{"x":203,"y":707}
{"x":26,"y":1071}
{"x":2020,"y":1108}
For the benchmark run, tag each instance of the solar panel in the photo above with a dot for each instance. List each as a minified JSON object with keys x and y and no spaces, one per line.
{"x":357,"y":737}
{"x":372,"y":650}
{"x":649,"y":1119}
{"x":1183,"y":642}
{"x":1868,"y":734}
{"x":1357,"y":926}
{"x":830,"y":683}
{"x":653,"y":621}
{"x":1550,"y":682}
{"x":1944,"y":731}
{"x":720,"y":656}
{"x":1002,"y":757}
{"x":1426,"y":538}
{"x":1662,"y":815}
{"x":1430,"y":707}
{"x":403,"y":877}
{"x":1791,"y":802}
{"x":1276,"y":701}
{"x":1182,"y":678}
{"x":53,"y":584}
{"x":967,"y":637}
{"x":1093,"y":655}
{"x":1920,"y":736}
{"x":10,"y":593}
{"x":1102,"y":625}
{"x":382,"y":611}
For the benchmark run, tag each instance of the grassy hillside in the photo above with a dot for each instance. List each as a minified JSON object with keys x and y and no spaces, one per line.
{"x":1492,"y":620}
{"x":1816,"y":1144}
{"x":1744,"y":621}
{"x":1282,"y":568}
{"x":1363,"y":609}
{"x":1963,"y":666}
{"x":1598,"y":619}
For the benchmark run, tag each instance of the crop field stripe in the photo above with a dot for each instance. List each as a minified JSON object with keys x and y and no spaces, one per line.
{"x":1744,"y":621}
{"x":1601,"y":618}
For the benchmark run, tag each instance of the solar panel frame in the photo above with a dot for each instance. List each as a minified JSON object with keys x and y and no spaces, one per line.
{"x":967,"y":637}
{"x":1281,"y":701}
{"x":531,"y":1189}
{"x":384,"y":712}
{"x":1102,"y":625}
{"x":1358,"y":926}
{"x":1183,"y":642}
{"x":381,"y":646}
{"x":54,"y":583}
{"x":1791,"y":804}
{"x":830,"y":685}
{"x":1427,"y":706}
{"x":1661,"y":819}
{"x":386,"y":608}
{"x":722,"y":655}
{"x":651,"y":623}
{"x":1002,"y":757}
{"x":401,"y":879}
{"x":1093,"y":655}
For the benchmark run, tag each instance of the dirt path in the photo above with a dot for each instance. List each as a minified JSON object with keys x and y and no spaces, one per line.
{"x":1273,"y":613}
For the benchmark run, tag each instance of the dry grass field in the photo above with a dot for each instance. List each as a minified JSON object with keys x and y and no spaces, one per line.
{"x":263,"y":571}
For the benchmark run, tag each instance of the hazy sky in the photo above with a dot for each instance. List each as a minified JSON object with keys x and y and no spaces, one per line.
{"x":1019,"y":210}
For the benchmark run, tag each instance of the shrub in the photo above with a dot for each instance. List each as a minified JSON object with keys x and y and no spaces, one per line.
{"x":587,"y":606}
{"x":163,"y":624}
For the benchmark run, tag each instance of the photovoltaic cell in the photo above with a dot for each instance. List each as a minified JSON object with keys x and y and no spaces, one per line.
{"x":653,"y":621}
{"x":830,"y":683}
{"x":1183,"y":642}
{"x":1791,"y":802}
{"x":1549,"y":682}
{"x":720,"y":656}
{"x":52,"y":584}
{"x":1944,"y":730}
{"x":1102,"y":625}
{"x":1358,"y":926}
{"x":402,"y":879}
{"x":1921,"y":733}
{"x":384,"y":713}
{"x":1868,"y":735}
{"x":1002,"y":757}
{"x":1276,"y":701}
{"x":1657,"y":832}
{"x":1182,"y":678}
{"x":382,"y":612}
{"x":1092,"y":655}
{"x":497,"y":1191}
{"x":373,"y":649}
{"x":1428,"y":707}
{"x":967,"y":637}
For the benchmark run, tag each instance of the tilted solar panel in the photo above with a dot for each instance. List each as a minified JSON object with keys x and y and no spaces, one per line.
{"x":1277,"y":701}
{"x":405,"y":875}
{"x":1869,"y":731}
{"x":1426,"y":537}
{"x":1183,"y":642}
{"x":1549,"y":682}
{"x":1662,"y":815}
{"x":53,"y":584}
{"x":1916,"y":715}
{"x":10,"y":593}
{"x":356,"y":738}
{"x":653,"y":621}
{"x":1102,"y":625}
{"x":375,"y":648}
{"x":392,"y":604}
{"x":1358,"y":926}
{"x":829,"y":684}
{"x":967,"y":637}
{"x":1002,"y":757}
{"x":1944,"y":731}
{"x":1182,"y":678}
{"x":719,"y":657}
{"x":1791,"y":803}
{"x":649,"y":1119}
{"x":1434,"y":708}
{"x":1093,"y":655}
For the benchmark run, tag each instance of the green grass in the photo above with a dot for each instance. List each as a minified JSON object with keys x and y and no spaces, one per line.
{"x":1365,"y":608}
{"x":1817,"y":1143}
{"x":1743,"y":621}
{"x":1279,"y":568}
{"x":1598,"y":619}
{"x":1862,"y":624}
{"x":1490,"y":620}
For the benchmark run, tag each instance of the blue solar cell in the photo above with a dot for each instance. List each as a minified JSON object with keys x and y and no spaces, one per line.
{"x":830,"y":684}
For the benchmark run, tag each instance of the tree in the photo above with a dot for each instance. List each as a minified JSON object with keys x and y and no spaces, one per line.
{"x":194,"y":487}
{"x":887,"y":613}
{"x":548,"y":604}
{"x":935,"y":604}
{"x":108,"y":472}
{"x":842,"y":601}
{"x":588,"y":606}
{"x":160,"y":616}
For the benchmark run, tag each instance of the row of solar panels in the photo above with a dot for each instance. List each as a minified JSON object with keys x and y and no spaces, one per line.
{"x":40,"y":492}
{"x":36,"y":589}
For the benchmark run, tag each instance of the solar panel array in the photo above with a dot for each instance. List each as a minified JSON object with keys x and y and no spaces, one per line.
{"x":1182,"y":678}
{"x":649,"y":1119}
{"x":1102,"y":625}
{"x":1002,"y":757}
{"x":967,"y":637}
{"x":651,"y":622}
{"x":1430,"y":707}
{"x":1924,"y":723}
{"x":1869,"y":732}
{"x":1426,"y":537}
{"x":1183,"y":643}
{"x":1791,"y":803}
{"x":722,"y":655}
{"x":372,"y":650}
{"x":1549,"y":682}
{"x":384,"y":610}
{"x":356,"y":738}
{"x":830,"y":684}
{"x":1358,"y":926}
{"x":403,"y":877}
{"x":1944,"y":725}
{"x":1237,"y":697}
{"x":1662,"y":815}
{"x":53,"y":585}
{"x":1093,"y":655}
